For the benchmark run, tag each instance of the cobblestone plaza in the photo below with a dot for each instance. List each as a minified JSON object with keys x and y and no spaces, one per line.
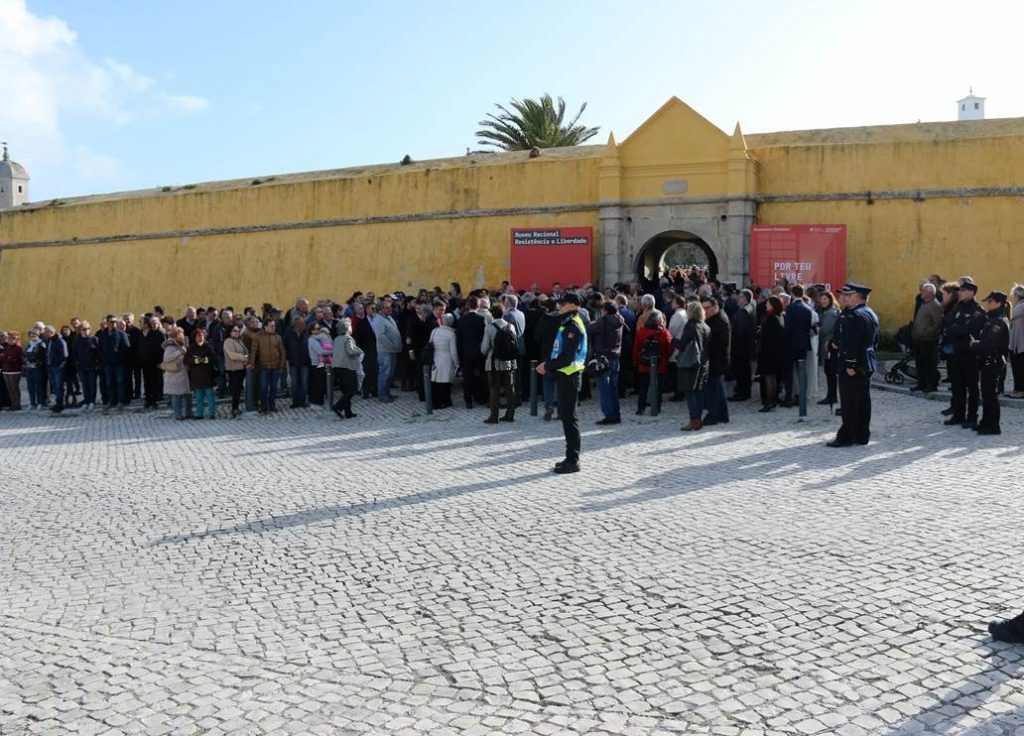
{"x":405,"y":574}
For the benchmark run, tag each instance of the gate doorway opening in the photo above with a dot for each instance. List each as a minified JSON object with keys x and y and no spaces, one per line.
{"x":673,"y":248}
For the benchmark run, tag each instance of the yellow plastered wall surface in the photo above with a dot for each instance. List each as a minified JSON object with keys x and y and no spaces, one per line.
{"x":892,"y":245}
{"x":89,"y":281}
{"x":54,"y":282}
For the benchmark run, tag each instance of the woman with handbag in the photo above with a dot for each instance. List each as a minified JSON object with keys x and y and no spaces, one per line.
{"x":347,"y":360}
{"x":175,"y":376}
{"x":236,"y":359}
{"x":694,"y":358}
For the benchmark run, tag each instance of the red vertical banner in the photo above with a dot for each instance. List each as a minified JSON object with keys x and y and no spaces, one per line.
{"x":805,"y":254}
{"x":545,"y":255}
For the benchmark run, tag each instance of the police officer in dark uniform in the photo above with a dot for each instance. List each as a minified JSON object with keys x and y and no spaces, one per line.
{"x":966,"y":326}
{"x":856,"y":337}
{"x":568,"y":358}
{"x":991,"y":349}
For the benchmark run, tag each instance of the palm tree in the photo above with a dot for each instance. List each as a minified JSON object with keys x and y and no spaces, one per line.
{"x":533,"y":124}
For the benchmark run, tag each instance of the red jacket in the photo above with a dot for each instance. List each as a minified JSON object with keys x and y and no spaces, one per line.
{"x":10,"y":359}
{"x":664,"y":338}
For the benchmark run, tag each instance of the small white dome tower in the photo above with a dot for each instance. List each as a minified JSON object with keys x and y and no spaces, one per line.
{"x":971,"y":107}
{"x":13,"y":182}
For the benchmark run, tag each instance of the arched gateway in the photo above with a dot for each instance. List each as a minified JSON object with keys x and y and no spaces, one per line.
{"x":678,"y":182}
{"x":676,"y":247}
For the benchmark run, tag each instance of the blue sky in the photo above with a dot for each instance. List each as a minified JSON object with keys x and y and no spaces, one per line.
{"x":107,"y":94}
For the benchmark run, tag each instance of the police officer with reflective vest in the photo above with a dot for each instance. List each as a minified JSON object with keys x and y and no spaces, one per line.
{"x":991,"y":349}
{"x":857,"y":342}
{"x":568,"y":358}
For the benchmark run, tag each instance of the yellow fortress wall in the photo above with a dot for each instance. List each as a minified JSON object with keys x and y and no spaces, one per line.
{"x":917,"y":199}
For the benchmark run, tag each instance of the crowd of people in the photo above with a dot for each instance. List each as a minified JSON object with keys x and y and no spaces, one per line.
{"x":685,"y":337}
{"x":974,"y":340}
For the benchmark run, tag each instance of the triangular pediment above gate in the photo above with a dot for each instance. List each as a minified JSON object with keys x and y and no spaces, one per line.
{"x":676,"y":152}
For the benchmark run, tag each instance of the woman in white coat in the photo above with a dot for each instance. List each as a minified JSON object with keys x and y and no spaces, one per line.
{"x":446,"y":362}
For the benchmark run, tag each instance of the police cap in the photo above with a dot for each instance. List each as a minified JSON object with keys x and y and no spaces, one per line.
{"x":995,"y":296}
{"x":969,"y":285}
{"x":851,"y":288}
{"x":569,"y":297}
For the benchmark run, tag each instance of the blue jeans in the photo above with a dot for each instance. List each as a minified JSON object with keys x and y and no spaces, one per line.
{"x":57,"y":384}
{"x":385,"y":370}
{"x":203,"y":398}
{"x":608,"y":389}
{"x":179,"y":403}
{"x":695,"y":402}
{"x":300,"y":384}
{"x":87,"y":377}
{"x":714,"y":399}
{"x":268,"y":389}
{"x":117,"y":389}
{"x":36,"y":386}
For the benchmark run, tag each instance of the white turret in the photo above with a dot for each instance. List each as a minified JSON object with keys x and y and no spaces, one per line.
{"x":13,"y":182}
{"x":971,"y":107}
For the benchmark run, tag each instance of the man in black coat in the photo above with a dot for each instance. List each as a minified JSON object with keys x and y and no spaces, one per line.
{"x":718,"y":363}
{"x":744,"y":333}
{"x":469,"y":333}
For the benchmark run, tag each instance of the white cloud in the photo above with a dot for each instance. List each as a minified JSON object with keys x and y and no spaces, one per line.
{"x":47,"y":77}
{"x":185,"y":103}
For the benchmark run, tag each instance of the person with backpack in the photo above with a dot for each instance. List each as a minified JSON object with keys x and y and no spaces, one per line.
{"x":500,"y":348}
{"x":568,"y":359}
{"x":653,"y":340}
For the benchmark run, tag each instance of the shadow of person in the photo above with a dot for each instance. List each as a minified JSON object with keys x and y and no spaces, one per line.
{"x":330,"y":513}
{"x":966,"y":708}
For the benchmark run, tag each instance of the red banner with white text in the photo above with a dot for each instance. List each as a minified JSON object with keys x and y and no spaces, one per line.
{"x":805,"y":254}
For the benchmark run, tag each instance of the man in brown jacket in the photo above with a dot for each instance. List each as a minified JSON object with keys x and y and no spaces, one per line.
{"x":268,"y":360}
{"x":924,"y":334}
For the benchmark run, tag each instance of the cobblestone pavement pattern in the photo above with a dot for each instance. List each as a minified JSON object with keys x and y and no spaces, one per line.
{"x":403,"y":574}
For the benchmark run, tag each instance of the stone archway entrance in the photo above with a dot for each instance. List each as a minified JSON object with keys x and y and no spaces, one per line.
{"x":673,"y":247}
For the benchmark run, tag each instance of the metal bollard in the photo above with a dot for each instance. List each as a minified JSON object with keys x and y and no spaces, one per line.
{"x":653,"y":389}
{"x":533,"y":388}
{"x":330,"y":385}
{"x":428,"y":391}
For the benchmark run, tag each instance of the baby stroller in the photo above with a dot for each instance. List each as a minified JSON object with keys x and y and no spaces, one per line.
{"x":905,"y":366}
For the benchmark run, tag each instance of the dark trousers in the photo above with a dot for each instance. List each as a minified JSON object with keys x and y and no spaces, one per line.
{"x":153,"y":382}
{"x":57,"y":384}
{"x":135,"y":374}
{"x":348,"y":384}
{"x":926,"y":358}
{"x":501,"y":384}
{"x":567,"y":388}
{"x":643,"y":387}
{"x":744,"y":376}
{"x":369,"y":375}
{"x":855,"y":398}
{"x":1017,"y":366}
{"x":769,"y":389}
{"x":990,"y":394}
{"x":117,"y":391}
{"x":715,"y":402}
{"x":831,"y":380}
{"x":440,"y":395}
{"x":474,"y":387}
{"x":236,"y":380}
{"x":317,"y":385}
{"x":965,"y":386}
